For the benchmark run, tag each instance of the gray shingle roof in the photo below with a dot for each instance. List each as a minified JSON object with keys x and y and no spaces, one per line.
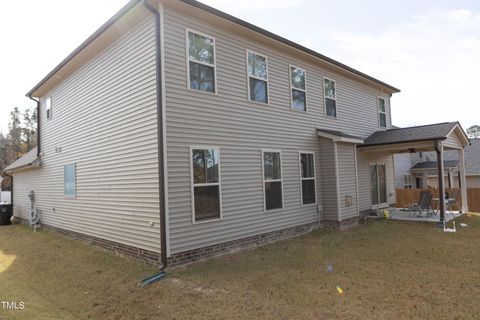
{"x":426,"y":165}
{"x":419,"y":133}
{"x":25,"y":160}
{"x":472,"y":157}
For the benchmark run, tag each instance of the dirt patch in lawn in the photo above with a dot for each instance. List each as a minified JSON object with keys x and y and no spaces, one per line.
{"x":380,"y":270}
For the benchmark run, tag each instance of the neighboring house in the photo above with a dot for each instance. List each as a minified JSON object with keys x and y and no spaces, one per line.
{"x":186,"y":132}
{"x":419,"y":170}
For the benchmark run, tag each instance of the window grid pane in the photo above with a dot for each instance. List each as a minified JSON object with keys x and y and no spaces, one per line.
{"x":331,"y":107}
{"x":258,"y":90}
{"x":272,"y":166}
{"x":297,"y":78}
{"x":306,"y":160}
{"x":70,"y":180}
{"x":207,"y":202}
{"x":381,"y":104}
{"x":329,"y":88}
{"x":202,"y":77}
{"x":201,"y":48}
{"x":308,"y":191}
{"x":257,"y":66}
{"x":299,"y":100}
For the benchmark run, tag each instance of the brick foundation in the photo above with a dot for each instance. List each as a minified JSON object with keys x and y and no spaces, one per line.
{"x":340,"y":225}
{"x":120,"y":249}
{"x":204,"y":253}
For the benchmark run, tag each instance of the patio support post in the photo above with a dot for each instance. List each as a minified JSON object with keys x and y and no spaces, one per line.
{"x":463,"y":181}
{"x":441,"y":181}
{"x":450,"y":184}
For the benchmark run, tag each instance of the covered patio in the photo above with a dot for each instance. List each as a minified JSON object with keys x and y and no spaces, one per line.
{"x":435,"y":137}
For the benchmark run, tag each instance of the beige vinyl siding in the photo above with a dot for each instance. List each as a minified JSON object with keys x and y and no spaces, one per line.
{"x":453,"y":141}
{"x":104,"y":120}
{"x":241,"y":129}
{"x":328,"y":179}
{"x":364,"y":160}
{"x":347,"y":179}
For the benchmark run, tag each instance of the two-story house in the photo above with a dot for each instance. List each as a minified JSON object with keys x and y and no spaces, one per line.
{"x":179,"y":131}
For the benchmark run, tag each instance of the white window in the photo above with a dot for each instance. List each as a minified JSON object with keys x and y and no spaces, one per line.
{"x":272,"y":179}
{"x":298,"y":88}
{"x":206,"y":193}
{"x":257,"y":77}
{"x":48,"y":106}
{"x":330,"y":95}
{"x":70,"y":180}
{"x":307,"y":178}
{"x":201,"y":62}
{"x":407,"y":181}
{"x":382,"y":115}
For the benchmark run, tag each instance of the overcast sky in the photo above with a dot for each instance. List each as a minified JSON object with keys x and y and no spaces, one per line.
{"x":429,"y":49}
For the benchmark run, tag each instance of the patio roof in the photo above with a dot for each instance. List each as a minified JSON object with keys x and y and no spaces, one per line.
{"x":418,"y":138}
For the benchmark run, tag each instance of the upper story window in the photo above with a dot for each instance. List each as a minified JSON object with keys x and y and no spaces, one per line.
{"x":201,"y":62}
{"x":329,"y":92}
{"x":382,"y":115}
{"x":206,"y":183}
{"x":272,"y":180}
{"x":298,"y":88}
{"x":70,"y":180}
{"x":48,"y":107}
{"x":257,"y":77}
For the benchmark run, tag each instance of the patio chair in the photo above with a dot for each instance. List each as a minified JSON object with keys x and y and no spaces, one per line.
{"x":452,"y":201}
{"x":424,"y":206}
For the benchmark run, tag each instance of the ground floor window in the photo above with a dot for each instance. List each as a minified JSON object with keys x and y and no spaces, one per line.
{"x":272,"y":179}
{"x":307,"y":177}
{"x":70,"y":180}
{"x":206,"y":183}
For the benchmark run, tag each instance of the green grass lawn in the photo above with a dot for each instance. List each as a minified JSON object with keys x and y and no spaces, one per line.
{"x":386,"y":270}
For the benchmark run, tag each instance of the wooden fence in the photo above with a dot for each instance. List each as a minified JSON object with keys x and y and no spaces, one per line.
{"x":407,"y":196}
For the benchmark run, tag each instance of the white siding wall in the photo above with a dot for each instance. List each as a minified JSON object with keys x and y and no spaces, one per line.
{"x":347,"y":179}
{"x":328,"y":179}
{"x":104,"y":119}
{"x":241,"y":129}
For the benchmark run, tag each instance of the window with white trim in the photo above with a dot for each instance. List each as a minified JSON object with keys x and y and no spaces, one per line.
{"x":330,"y":95}
{"x":206,"y":183}
{"x":307,"y":177}
{"x":382,"y":115}
{"x":257,"y":77}
{"x":272,"y":180}
{"x":407,"y":181}
{"x":48,"y":107}
{"x":201,"y":62}
{"x":70,"y":180}
{"x":298,"y":88}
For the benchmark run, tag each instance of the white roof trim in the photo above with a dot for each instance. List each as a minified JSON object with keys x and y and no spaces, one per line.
{"x":336,"y":138}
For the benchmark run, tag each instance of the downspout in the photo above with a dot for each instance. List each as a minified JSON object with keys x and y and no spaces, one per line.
{"x":38,"y":123}
{"x":161,"y":164}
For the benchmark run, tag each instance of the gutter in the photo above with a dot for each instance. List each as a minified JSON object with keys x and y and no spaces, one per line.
{"x":38,"y":123}
{"x":160,"y":136}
